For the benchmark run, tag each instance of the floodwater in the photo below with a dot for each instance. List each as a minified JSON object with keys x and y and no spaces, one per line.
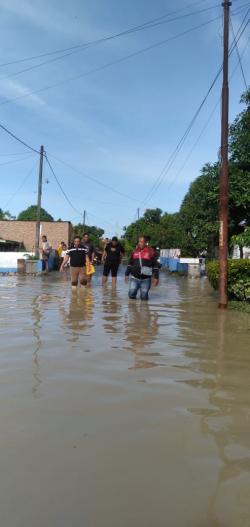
{"x":117,"y":413}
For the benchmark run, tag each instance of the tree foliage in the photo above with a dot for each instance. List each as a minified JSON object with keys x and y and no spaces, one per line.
{"x":195,"y":228}
{"x":239,"y":142}
{"x":95,"y":233}
{"x":163,"y":230}
{"x":6,"y":215}
{"x":30,"y":214}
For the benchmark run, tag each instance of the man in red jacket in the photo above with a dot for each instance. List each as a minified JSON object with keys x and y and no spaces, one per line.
{"x":142,"y":267}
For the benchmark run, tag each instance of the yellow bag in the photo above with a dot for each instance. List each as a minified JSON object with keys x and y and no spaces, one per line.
{"x":89,"y":267}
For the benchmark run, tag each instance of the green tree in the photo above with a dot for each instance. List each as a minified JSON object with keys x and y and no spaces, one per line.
{"x":148,"y":225}
{"x":239,"y":140}
{"x":199,"y":213}
{"x":30,"y":213}
{"x":171,"y":231}
{"x":6,"y":215}
{"x":95,"y":233}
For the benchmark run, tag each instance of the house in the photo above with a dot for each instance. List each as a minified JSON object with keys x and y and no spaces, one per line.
{"x":24,"y":232}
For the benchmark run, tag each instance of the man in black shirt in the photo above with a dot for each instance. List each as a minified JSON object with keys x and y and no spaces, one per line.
{"x":77,"y":257}
{"x":112,"y":259}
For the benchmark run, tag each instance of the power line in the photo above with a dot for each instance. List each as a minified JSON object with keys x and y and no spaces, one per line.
{"x":206,"y":125}
{"x":65,"y":195}
{"x":238,"y":53}
{"x":21,"y":186}
{"x":61,"y":188}
{"x":91,"y":178}
{"x":18,"y":139}
{"x":15,"y":154}
{"x":175,"y":152}
{"x":15,"y":161}
{"x":109,"y":64}
{"x":82,"y":47}
{"x":145,"y":25}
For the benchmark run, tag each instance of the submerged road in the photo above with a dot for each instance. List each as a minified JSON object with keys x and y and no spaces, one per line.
{"x":117,"y":413}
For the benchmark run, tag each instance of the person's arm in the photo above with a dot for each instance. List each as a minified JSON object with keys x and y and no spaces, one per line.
{"x":155,"y":266}
{"x":104,"y":256}
{"x":92,"y":253}
{"x":129,"y":268}
{"x":64,"y":262}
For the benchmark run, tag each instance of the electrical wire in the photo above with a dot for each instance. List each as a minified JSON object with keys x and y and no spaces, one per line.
{"x":15,"y":161}
{"x":206,"y":124}
{"x":109,"y":64}
{"x":175,"y":152}
{"x":85,"y":46}
{"x":18,"y":139}
{"x":15,"y":154}
{"x":104,"y":185}
{"x":21,"y":185}
{"x":60,"y":186}
{"x":145,"y":25}
{"x":64,"y":193}
{"x":238,"y":54}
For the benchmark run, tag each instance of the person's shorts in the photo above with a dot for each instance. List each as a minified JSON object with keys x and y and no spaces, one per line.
{"x":111,"y":267}
{"x":78,"y":273}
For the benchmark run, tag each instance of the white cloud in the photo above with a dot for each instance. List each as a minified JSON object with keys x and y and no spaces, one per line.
{"x":10,"y":89}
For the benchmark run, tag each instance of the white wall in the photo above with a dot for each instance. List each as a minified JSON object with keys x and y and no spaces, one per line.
{"x":236,"y":252}
{"x":9,"y":259}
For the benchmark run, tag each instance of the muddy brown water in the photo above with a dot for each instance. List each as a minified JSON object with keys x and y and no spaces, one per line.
{"x":117,"y":413}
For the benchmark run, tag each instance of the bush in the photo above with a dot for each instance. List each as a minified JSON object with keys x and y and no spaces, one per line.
{"x":238,"y":278}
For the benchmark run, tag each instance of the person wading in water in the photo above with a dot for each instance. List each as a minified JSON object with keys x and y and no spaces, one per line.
{"x":143,"y":269}
{"x":112,"y":258}
{"x":76,"y":255}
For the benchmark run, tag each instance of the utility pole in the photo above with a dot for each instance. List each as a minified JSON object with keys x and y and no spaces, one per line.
{"x":39,"y":197}
{"x":138,"y":213}
{"x":223,"y":204}
{"x":84,"y":219}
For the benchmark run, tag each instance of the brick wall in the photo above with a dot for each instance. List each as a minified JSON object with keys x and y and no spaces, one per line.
{"x":24,"y":232}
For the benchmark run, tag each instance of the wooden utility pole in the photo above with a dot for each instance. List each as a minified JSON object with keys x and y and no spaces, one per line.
{"x":223,"y":204}
{"x":39,"y":198}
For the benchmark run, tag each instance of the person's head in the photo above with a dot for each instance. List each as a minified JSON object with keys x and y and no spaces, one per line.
{"x":142,"y":242}
{"x":64,"y":246}
{"x":114,"y":241}
{"x":44,"y":238}
{"x":76,"y":241}
{"x":85,"y":237}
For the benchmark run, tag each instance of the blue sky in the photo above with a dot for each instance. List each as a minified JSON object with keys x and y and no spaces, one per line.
{"x":118,"y":125}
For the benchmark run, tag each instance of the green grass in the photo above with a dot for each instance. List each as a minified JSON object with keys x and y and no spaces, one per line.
{"x":236,"y":305}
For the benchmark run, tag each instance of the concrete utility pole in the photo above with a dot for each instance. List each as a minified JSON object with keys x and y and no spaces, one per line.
{"x":39,"y":198}
{"x":84,"y":219}
{"x":223,"y":206}
{"x":138,"y":214}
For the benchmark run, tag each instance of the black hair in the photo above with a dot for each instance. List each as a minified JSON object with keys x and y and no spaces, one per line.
{"x":86,"y":234}
{"x":114,"y":239}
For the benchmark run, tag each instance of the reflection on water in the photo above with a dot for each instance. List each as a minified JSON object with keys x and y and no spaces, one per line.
{"x":37,"y":317}
{"x":77,"y":314}
{"x":141,"y":328}
{"x":152,"y":423}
